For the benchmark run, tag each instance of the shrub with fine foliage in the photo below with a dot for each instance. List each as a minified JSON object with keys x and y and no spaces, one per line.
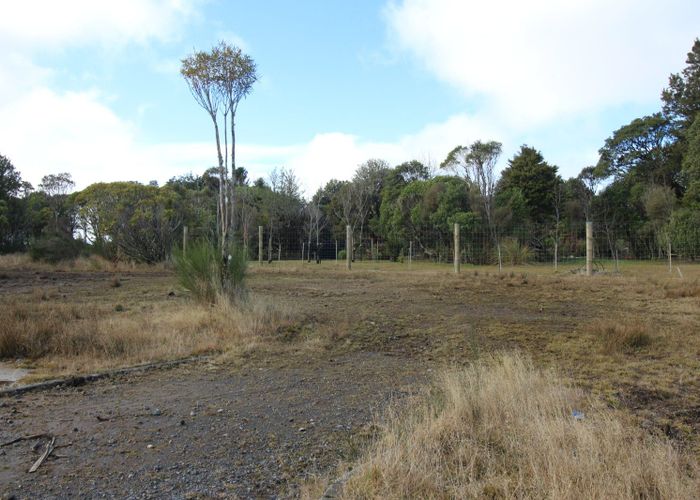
{"x":207,"y":275}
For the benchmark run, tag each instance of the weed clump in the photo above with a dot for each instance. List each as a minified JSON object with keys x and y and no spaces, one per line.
{"x":683,"y":291}
{"x":627,"y":336}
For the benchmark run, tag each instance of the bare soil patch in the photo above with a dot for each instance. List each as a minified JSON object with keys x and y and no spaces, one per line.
{"x":203,"y":430}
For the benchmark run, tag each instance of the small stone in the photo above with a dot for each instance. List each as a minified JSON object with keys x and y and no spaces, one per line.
{"x":192,"y":413}
{"x":150,"y":446}
{"x":156,"y":413}
{"x":302,"y":429}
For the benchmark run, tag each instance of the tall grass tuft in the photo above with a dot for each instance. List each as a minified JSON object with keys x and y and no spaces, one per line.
{"x":683,"y":290}
{"x":503,"y":429}
{"x":514,"y":253}
{"x":622,"y":335}
{"x":209,"y":277}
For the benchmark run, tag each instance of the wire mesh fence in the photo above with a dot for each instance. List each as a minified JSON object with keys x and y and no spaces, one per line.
{"x":519,"y":245}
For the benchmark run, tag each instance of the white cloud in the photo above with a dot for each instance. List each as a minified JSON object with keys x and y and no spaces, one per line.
{"x":46,"y":132}
{"x":18,"y":74}
{"x":336,"y":155}
{"x":43,"y":24}
{"x":531,"y":62}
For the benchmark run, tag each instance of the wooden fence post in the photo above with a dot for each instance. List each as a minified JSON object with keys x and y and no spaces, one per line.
{"x":260,"y":245}
{"x":589,"y":248}
{"x":184,"y":241}
{"x":457,"y":251}
{"x":348,"y":246}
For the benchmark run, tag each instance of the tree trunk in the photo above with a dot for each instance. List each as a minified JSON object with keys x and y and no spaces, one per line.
{"x":222,"y":189}
{"x":269,"y":247}
{"x":233,"y":168}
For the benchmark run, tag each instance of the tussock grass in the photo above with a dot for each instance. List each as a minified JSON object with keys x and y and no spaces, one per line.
{"x":686,"y":289}
{"x":622,"y":335}
{"x":502,"y":429}
{"x":79,"y":337}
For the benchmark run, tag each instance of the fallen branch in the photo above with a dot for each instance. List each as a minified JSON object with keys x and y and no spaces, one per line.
{"x":47,"y":452}
{"x":26,"y":438}
{"x":79,"y":380}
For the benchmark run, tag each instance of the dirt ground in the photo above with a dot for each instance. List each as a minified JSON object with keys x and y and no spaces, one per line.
{"x":257,"y":425}
{"x":197,"y":431}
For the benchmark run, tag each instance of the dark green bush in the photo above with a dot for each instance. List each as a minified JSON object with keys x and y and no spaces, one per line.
{"x":54,"y":248}
{"x":207,"y":275}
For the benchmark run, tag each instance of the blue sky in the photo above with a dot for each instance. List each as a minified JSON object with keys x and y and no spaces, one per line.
{"x":93,"y":88}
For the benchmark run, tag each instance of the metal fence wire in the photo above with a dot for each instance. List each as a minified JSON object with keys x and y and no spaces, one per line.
{"x":515,"y":246}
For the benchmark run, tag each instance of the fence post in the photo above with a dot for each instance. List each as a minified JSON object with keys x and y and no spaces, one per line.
{"x":589,"y":248}
{"x":184,"y":241}
{"x":348,"y":246}
{"x":457,"y":252}
{"x":302,"y":252}
{"x":670,"y":255}
{"x":410,"y":253}
{"x":336,"y":252}
{"x":260,"y":245}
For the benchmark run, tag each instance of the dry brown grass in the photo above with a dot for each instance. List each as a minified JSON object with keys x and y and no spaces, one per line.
{"x":72,"y":337}
{"x":683,"y":290}
{"x":22,"y":261}
{"x":502,"y":429}
{"x":622,"y":335}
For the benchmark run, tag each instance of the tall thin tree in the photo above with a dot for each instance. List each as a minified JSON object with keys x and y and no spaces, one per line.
{"x":218,"y":80}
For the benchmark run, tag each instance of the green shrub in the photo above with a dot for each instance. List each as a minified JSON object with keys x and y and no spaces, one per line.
{"x":198,"y":270}
{"x":234,"y":272}
{"x":514,"y":253}
{"x":203,"y":271}
{"x":54,"y":248}
{"x":685,"y":233}
{"x":342,"y":255}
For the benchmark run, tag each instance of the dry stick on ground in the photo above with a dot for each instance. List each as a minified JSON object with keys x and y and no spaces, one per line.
{"x":25,"y":438}
{"x":47,"y":452}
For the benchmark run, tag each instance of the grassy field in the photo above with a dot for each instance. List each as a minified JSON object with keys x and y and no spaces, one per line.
{"x":628,"y":341}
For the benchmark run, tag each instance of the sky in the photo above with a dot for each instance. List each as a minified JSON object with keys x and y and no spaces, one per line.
{"x":92,"y":87}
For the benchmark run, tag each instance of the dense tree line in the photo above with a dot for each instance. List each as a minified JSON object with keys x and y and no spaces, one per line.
{"x":643,"y":195}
